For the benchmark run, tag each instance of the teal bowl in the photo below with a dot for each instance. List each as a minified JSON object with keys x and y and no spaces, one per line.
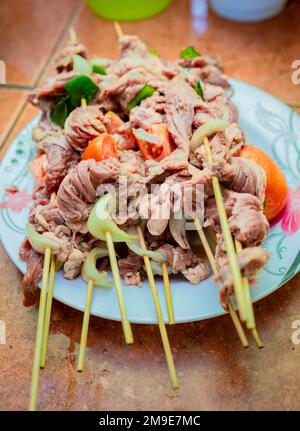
{"x":127,"y":10}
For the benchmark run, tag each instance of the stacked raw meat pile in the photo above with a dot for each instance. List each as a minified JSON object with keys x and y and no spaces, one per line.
{"x":152,"y":146}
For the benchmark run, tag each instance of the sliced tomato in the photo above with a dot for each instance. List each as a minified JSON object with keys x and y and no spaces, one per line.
{"x":112,"y":122}
{"x":145,"y":149}
{"x":156,"y":152}
{"x":101,"y":148}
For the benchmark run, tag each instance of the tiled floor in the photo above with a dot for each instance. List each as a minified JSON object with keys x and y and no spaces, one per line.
{"x":214,"y":371}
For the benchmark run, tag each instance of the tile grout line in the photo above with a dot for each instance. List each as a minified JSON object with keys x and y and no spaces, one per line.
{"x":74,"y":13}
{"x":12,"y":86}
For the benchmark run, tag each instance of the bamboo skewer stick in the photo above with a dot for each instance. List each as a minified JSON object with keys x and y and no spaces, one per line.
{"x":48,"y":305}
{"x":118,"y":29}
{"x":88,"y":301}
{"x":118,"y":285}
{"x":249,"y":308}
{"x":73,"y":36}
{"x":85,"y":325}
{"x":39,"y":333}
{"x":237,"y":324}
{"x":166,"y":279}
{"x":114,"y":266}
{"x":48,"y":312}
{"x":168,"y":294}
{"x":206,"y":246}
{"x":250,"y":313}
{"x":211,"y":235}
{"x":117,"y":280}
{"x":257,"y":339}
{"x":232,"y":258}
{"x":235,"y":319}
{"x":161,"y":324}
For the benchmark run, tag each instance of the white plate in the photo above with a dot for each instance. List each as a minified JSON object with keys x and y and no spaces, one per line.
{"x":268,"y":124}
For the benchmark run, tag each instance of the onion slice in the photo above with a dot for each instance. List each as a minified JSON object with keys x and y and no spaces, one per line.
{"x":207,"y":129}
{"x":40,"y":242}
{"x":89,"y":270}
{"x":100,"y":222}
{"x":133,"y":246}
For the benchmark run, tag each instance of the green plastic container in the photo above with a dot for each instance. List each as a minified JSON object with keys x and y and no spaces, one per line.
{"x":127,"y":10}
